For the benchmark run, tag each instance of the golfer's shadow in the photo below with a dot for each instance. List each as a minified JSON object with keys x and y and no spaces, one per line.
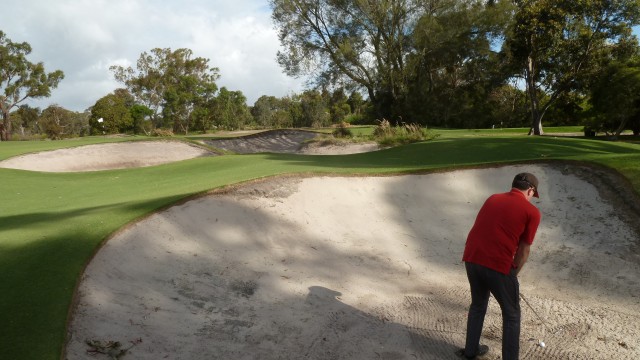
{"x":348,"y":333}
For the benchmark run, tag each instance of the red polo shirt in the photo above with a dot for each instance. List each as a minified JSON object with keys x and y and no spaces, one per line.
{"x":503,"y":222}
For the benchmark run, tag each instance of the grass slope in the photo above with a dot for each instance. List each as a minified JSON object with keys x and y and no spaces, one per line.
{"x":52,"y":223}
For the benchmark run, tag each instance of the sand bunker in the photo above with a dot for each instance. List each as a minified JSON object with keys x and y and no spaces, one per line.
{"x":358,"y":268}
{"x":148,"y":153}
{"x":106,"y":156}
{"x":288,"y":141}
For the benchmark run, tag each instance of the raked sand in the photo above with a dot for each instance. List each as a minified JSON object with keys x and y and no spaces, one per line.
{"x":359,"y":268}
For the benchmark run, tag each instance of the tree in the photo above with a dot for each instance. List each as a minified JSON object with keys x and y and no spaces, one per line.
{"x":189,"y":82}
{"x":453,"y":69}
{"x":140,"y":115}
{"x":269,"y":111}
{"x":230,"y":109}
{"x":59,"y":123}
{"x":315,"y":111}
{"x":558,"y":44}
{"x":114,"y":110}
{"x":363,"y":43}
{"x":170,"y":83}
{"x":26,"y":119}
{"x":146,"y":82}
{"x":20,"y":79}
{"x":356,"y":103}
{"x":616,"y":98}
{"x":338,"y":106}
{"x":508,"y":107}
{"x":263,"y":110}
{"x":290,"y":112}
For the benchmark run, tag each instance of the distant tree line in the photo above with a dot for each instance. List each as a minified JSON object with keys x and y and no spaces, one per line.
{"x":461,"y":63}
{"x":438,"y":63}
{"x":119,"y":113}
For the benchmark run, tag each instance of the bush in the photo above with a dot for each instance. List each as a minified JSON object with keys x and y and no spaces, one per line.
{"x":384,"y":129}
{"x":413,"y":132}
{"x":29,"y":137}
{"x":342,"y":131}
{"x":387,"y":135}
{"x":357,"y":119}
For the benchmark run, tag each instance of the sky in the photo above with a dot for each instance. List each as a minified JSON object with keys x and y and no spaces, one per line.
{"x":84,"y":37}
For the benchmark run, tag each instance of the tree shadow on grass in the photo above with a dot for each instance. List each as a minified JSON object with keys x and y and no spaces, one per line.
{"x":28,"y":220}
{"x":41,"y":257}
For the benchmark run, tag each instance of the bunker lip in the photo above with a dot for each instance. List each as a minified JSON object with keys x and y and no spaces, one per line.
{"x":359,"y":268}
{"x":288,"y":141}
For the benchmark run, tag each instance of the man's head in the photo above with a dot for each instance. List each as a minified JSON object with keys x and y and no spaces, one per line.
{"x":525,"y":182}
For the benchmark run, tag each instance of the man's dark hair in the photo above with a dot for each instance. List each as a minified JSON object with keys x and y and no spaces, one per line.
{"x":524,"y":181}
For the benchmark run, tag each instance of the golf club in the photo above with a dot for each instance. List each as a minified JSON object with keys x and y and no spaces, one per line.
{"x":540,"y":342}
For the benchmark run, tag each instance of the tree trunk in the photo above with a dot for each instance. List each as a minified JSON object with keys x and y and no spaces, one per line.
{"x":5,"y":127}
{"x":536,"y":124}
{"x":536,"y":115}
{"x":621,"y":127}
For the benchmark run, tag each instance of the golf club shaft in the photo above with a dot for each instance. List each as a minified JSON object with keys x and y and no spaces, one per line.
{"x":534,"y":311}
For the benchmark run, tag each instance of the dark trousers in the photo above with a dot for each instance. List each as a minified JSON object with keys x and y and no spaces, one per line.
{"x":506,"y":290}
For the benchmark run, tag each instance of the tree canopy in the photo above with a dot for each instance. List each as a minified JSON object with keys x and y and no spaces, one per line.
{"x":616,"y":97}
{"x":439,"y":63}
{"x":173,"y":84}
{"x":20,"y":79}
{"x":558,"y":44}
{"x":111,"y":114}
{"x":457,"y":63}
{"x":363,"y":42}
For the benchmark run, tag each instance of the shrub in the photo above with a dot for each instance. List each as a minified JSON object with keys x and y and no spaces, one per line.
{"x":357,"y":119}
{"x":384,"y":129}
{"x":342,"y":131}
{"x":413,"y":132}
{"x":387,"y":135}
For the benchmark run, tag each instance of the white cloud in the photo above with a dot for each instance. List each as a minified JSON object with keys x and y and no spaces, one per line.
{"x":84,"y":37}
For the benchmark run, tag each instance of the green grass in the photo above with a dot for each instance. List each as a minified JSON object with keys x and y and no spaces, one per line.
{"x":456,"y":133}
{"x":52,"y":223}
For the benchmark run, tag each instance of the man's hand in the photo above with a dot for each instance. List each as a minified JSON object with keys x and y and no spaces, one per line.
{"x":522,"y":254}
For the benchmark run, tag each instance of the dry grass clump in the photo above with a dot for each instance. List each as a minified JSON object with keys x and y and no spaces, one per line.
{"x":161,"y":133}
{"x":342,"y":130}
{"x":387,"y":135}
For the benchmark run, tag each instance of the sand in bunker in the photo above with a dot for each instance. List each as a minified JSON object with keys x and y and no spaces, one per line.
{"x":289,"y":141}
{"x":106,"y":156}
{"x":357,"y":268}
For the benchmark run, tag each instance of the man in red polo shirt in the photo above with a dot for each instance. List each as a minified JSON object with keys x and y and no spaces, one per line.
{"x":496,"y":250}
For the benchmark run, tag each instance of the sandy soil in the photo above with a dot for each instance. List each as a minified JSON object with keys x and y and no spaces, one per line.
{"x":288,"y":141}
{"x":106,"y":156}
{"x":149,"y":153}
{"x":360,"y":268}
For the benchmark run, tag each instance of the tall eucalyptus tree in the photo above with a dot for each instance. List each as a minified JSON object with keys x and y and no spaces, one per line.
{"x":20,"y":79}
{"x":364,"y":43}
{"x":557,"y":45}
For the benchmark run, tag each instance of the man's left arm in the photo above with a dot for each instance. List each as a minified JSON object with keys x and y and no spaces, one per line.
{"x":522,"y":254}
